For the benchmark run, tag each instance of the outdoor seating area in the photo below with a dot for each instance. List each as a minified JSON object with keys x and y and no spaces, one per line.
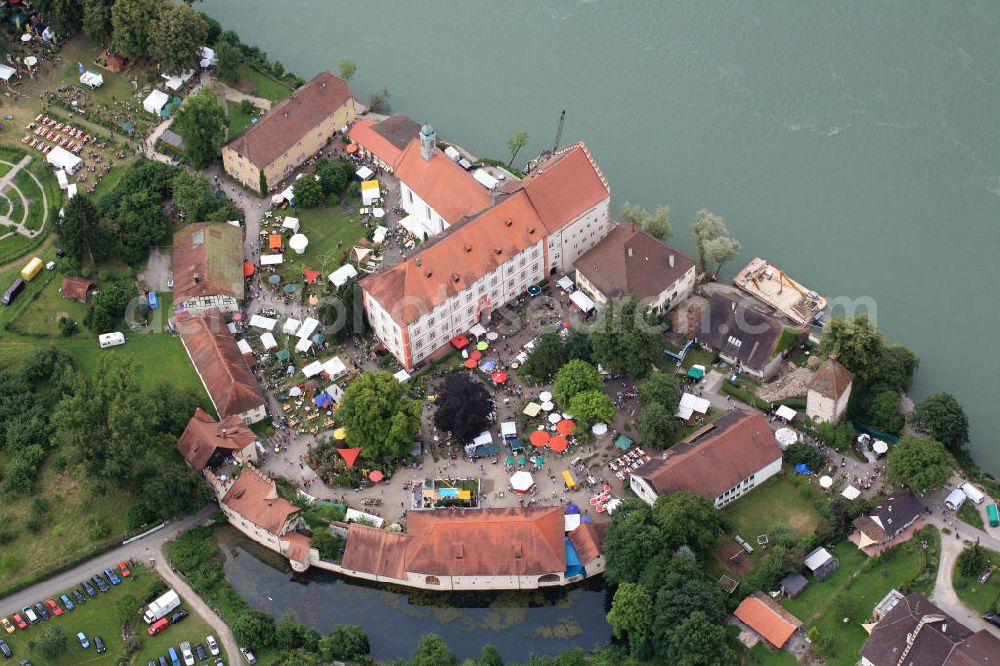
{"x":623,"y":465}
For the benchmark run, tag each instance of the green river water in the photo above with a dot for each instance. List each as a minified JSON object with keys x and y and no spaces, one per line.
{"x":853,"y":143}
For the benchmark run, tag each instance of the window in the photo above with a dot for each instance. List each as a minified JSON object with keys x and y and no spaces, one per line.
{"x":549,"y":578}
{"x":736,"y":342}
{"x":432,"y":580}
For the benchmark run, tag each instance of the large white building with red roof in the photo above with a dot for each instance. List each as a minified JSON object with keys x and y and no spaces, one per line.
{"x":538,"y":227}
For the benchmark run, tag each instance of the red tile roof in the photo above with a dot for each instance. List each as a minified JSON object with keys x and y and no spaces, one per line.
{"x":387,"y":138}
{"x":375,"y":551}
{"x":831,"y":380}
{"x":717,"y":457}
{"x":767,"y":618}
{"x":284,"y":125}
{"x":255,"y":497}
{"x":203,"y":436}
{"x":75,"y":287}
{"x":566,"y":185}
{"x":298,"y":546}
{"x":218,"y":360}
{"x":446,"y":187}
{"x":208,"y":260}
{"x":588,"y":540}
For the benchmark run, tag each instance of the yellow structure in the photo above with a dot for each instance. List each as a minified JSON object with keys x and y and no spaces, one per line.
{"x":31,"y":269}
{"x":289,"y":134}
{"x":568,"y":479}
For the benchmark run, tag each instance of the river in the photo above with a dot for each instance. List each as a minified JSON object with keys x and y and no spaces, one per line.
{"x":853,"y":143}
{"x":519,"y":624}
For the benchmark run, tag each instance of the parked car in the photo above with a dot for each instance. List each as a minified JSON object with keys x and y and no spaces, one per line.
{"x":124,"y":569}
{"x":30,"y":614}
{"x":199,"y":651}
{"x":248,"y":655}
{"x":54,"y":607}
{"x":158,"y":626}
{"x":19,"y":621}
{"x":82,"y":637}
{"x":150,"y":662}
{"x":186,"y":653}
{"x":992,"y":618}
{"x":89,"y":589}
{"x":8,"y":626}
{"x":178,"y":616}
{"x":80,"y":600}
{"x":67,"y":604}
{"x":99,"y":644}
{"x":112,"y":576}
{"x":5,"y":649}
{"x":101,"y":584}
{"x":219,"y":662}
{"x":213,"y":646}
{"x":175,"y":659}
{"x":42,"y":612}
{"x":163,"y":661}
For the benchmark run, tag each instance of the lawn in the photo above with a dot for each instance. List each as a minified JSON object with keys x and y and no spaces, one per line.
{"x":698,"y":356}
{"x":237,"y":119}
{"x":778,"y":500}
{"x":853,"y":590}
{"x":111,"y":178}
{"x":331,"y":233}
{"x":99,"y":617}
{"x":41,"y":317}
{"x":256,"y":83}
{"x":976,"y":595}
{"x":968,"y":513}
{"x":33,"y":194}
{"x":761,"y":654}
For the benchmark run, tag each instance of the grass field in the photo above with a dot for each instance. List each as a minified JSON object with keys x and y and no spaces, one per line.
{"x":259,"y":84}
{"x":779,"y":500}
{"x":975,"y":594}
{"x":100,"y":617}
{"x":111,"y":179}
{"x":326,"y":228}
{"x":969,"y":513}
{"x":33,"y":194}
{"x":42,"y":317}
{"x":237,"y":119}
{"x":761,"y":654}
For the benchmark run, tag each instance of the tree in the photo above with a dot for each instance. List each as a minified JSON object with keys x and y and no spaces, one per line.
{"x":517,"y":141}
{"x":255,"y":629}
{"x":973,"y":560}
{"x":575,"y":377}
{"x":778,"y":562}
{"x":675,"y":604}
{"x":214,"y":29}
{"x":228,"y":59}
{"x":201,"y":122}
{"x":132,"y":22}
{"x":308,"y":192}
{"x":78,"y":227}
{"x":656,"y":425}
{"x":379,"y":102}
{"x":194,"y":194}
{"x":334,"y":175}
{"x":97,"y":20}
{"x":432,"y":650}
{"x":126,"y":606}
{"x":686,"y":519}
{"x":291,"y":634}
{"x":707,"y":225}
{"x":262,"y":183}
{"x":490,"y":656}
{"x":464,"y":407}
{"x":108,"y":306}
{"x":941,"y":416}
{"x":548,"y":355}
{"x":632,"y":541}
{"x":631,"y":618}
{"x":701,"y":642}
{"x":660,"y":387}
{"x":65,"y":16}
{"x":347,"y":68}
{"x":347,"y":642}
{"x":919,"y":463}
{"x":378,"y":416}
{"x":52,"y":641}
{"x":655,"y":224}
{"x":721,"y":251}
{"x":837,"y":437}
{"x":801,"y":453}
{"x":885,"y":414}
{"x":590,"y":407}
{"x":623,"y":341}
{"x":176,"y":37}
{"x":856,"y":344}
{"x":896,"y":367}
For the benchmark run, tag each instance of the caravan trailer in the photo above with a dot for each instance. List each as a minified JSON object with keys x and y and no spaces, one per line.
{"x":972,"y":493}
{"x":111,"y":339}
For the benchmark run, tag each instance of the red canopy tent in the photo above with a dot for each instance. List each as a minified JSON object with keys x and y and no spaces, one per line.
{"x":310,"y":276}
{"x":558,"y":443}
{"x":539,"y":437}
{"x":470,"y":363}
{"x":375,"y":476}
{"x":349,"y":455}
{"x":565,"y":427}
{"x":499,"y":377}
{"x":248,"y":269}
{"x":274,"y":242}
{"x":460,"y":341}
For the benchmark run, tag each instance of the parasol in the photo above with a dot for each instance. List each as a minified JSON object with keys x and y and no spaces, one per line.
{"x":521,"y":481}
{"x":492,"y":335}
{"x":289,"y":289}
{"x":555,"y":418}
{"x":545,"y":396}
{"x":476,"y":355}
{"x":339,"y":433}
{"x":499,"y":377}
{"x":548,"y":406}
{"x":825,"y":482}
{"x":510,"y":460}
{"x":349,"y":455}
{"x":566,"y":427}
{"x":599,"y":429}
{"x":558,"y":443}
{"x":482,"y":345}
{"x":295,"y":392}
{"x":539,"y":437}
{"x":274,"y":279}
{"x":375,"y":476}
{"x":470,"y":364}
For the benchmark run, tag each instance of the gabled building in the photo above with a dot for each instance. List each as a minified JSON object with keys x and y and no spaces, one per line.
{"x":744,"y":336}
{"x":721,"y":462}
{"x":252,"y":505}
{"x":221,"y":366}
{"x":206,"y":442}
{"x":208,"y":267}
{"x":630,"y":261}
{"x":821,"y":563}
{"x":887,"y":520}
{"x":829,"y":392}
{"x":384,"y":141}
{"x":291,"y":132}
{"x":76,"y":288}
{"x":767,"y":618}
{"x":462,"y":276}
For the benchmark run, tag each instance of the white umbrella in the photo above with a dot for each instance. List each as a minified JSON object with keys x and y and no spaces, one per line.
{"x":547,"y":405}
{"x":492,"y":335}
{"x":31,"y":61}
{"x":555,"y":417}
{"x":26,"y":37}
{"x":825,"y":482}
{"x":599,"y":428}
{"x":880,"y":447}
{"x":521,"y":481}
{"x":786,"y":437}
{"x":545,"y":396}
{"x":567,"y":416}
{"x":378,"y":212}
{"x":295,"y":392}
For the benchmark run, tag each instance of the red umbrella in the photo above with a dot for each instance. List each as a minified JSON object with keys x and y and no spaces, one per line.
{"x":349,"y":455}
{"x":539,"y":437}
{"x":476,"y":355}
{"x":565,"y":427}
{"x":375,"y":476}
{"x":558,"y":443}
{"x":499,"y":377}
{"x":470,"y":363}
{"x":237,"y":316}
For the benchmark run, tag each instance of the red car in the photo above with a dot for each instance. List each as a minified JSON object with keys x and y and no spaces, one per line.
{"x":19,"y":621}
{"x":124,"y":569}
{"x":53,"y":606}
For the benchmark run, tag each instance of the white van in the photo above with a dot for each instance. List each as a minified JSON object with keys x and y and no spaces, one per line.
{"x":111,"y":339}
{"x":972,"y":493}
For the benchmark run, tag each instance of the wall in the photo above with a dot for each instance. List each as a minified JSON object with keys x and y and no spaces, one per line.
{"x":643,"y":489}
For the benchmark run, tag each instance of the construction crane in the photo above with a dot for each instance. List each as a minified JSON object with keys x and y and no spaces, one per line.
{"x":782,"y":278}
{"x":562,"y":119}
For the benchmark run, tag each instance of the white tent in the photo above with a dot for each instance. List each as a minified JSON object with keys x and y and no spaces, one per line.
{"x":582,"y":301}
{"x":155,"y":102}
{"x":92,"y":80}
{"x":851,"y":493}
{"x":571,"y":521}
{"x":303,"y":345}
{"x":60,"y":158}
{"x":308,"y":328}
{"x":452,"y":153}
{"x":291,"y":223}
{"x":521,"y":481}
{"x":599,"y":429}
{"x":244,"y":347}
{"x":508,"y":429}
{"x":267,"y":339}
{"x":364,"y":173}
{"x":265,"y":323}
{"x":955,"y":499}
{"x":290,"y":326}
{"x":785,"y":412}
{"x":413,"y":225}
{"x":478,"y":330}
{"x":370,"y":192}
{"x":207,"y":57}
{"x":785,"y":437}
{"x":379,"y":237}
{"x":402,"y":376}
{"x":690,"y":404}
{"x":340,"y":276}
{"x":6,"y":72}
{"x":565,"y":283}
{"x":334,"y":392}
{"x":175,"y":82}
{"x":335,"y":368}
{"x":485,"y":179}
{"x":312,"y":369}
{"x":355,"y":515}
{"x":288,"y":194}
{"x":71,"y":191}
{"x":61,"y":177}
{"x":271,"y":259}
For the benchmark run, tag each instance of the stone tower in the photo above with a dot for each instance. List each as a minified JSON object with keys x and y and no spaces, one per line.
{"x":428,"y":142}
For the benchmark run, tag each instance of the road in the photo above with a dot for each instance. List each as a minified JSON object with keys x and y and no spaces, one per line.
{"x":140,"y":551}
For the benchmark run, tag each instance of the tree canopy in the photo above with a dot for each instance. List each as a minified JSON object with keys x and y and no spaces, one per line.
{"x":378,"y":415}
{"x":78,"y":229}
{"x":575,"y":377}
{"x":919,"y":463}
{"x":631,"y":618}
{"x":228,"y":59}
{"x":861,"y":348}
{"x":176,"y":37}
{"x":590,"y":407}
{"x":132,"y":22}
{"x":655,"y":224}
{"x":941,"y":416}
{"x":308,"y":192}
{"x":656,"y":426}
{"x":464,"y":407}
{"x":885,"y":413}
{"x":552,"y":351}
{"x":623,"y":341}
{"x":201,"y":122}
{"x":517,"y":141}
{"x":97,"y":20}
{"x":715,"y":245}
{"x":347,"y":68}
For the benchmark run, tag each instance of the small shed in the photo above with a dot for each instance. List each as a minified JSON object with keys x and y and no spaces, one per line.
{"x":792,"y":585}
{"x":155,"y":102}
{"x":821,"y":563}
{"x":172,"y":140}
{"x":76,"y":288}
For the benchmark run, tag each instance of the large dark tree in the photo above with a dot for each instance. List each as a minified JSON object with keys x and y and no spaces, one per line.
{"x":132,"y":22}
{"x":464,"y":407}
{"x":201,"y":122}
{"x":942,"y":417}
{"x":624,"y":341}
{"x":78,"y":227}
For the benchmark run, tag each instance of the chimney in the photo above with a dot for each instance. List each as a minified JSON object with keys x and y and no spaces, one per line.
{"x":630,"y":252}
{"x":497,"y":251}
{"x":670,"y":260}
{"x":509,"y":222}
{"x":197,"y":278}
{"x":531,"y":230}
{"x":417,"y":261}
{"x":468,"y":248}
{"x":429,"y":272}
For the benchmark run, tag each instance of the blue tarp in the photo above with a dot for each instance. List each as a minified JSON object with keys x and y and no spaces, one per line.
{"x":802,"y":468}
{"x":515,"y":444}
{"x":323,"y":400}
{"x":572,"y":508}
{"x":573,"y":564}
{"x":623,"y":442}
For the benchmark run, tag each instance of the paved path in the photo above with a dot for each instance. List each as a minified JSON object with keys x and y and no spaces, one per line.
{"x":7,"y":181}
{"x":236,"y":96}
